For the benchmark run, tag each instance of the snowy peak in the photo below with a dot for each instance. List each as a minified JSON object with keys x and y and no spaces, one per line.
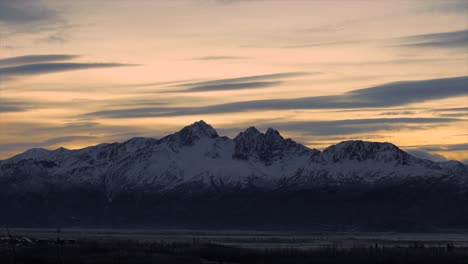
{"x":273,"y":135}
{"x":265,"y":147}
{"x":197,"y":155}
{"x":201,"y":127}
{"x":248,"y":144}
{"x":361,"y":150}
{"x":34,"y":154}
{"x":192,"y":133}
{"x":250,"y":133}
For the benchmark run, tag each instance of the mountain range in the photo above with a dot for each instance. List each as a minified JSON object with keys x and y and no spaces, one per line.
{"x":196,"y":178}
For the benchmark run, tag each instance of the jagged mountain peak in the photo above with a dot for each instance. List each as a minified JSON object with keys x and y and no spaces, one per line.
{"x":254,"y":132}
{"x":201,"y":128}
{"x":266,"y":147}
{"x":192,"y":133}
{"x":272,"y":132}
{"x":249,"y":132}
{"x":196,"y":154}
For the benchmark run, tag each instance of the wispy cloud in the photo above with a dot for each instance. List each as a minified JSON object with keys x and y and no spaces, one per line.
{"x":241,"y":83}
{"x":454,"y":109}
{"x":327,"y":132}
{"x":12,"y":105}
{"x":273,"y":76}
{"x":217,"y":58}
{"x":400,"y":93}
{"x":399,"y":61}
{"x":41,"y":68}
{"x":445,"y":6}
{"x":10,"y":108}
{"x":331,"y":27}
{"x":393,"y":113}
{"x":356,"y":126}
{"x":25,"y":11}
{"x":451,"y":147}
{"x":451,"y":112}
{"x":231,"y":86}
{"x":41,"y":19}
{"x":42,"y":58}
{"x":387,"y":95}
{"x":321,"y":44}
{"x":81,"y":128}
{"x":451,"y":39}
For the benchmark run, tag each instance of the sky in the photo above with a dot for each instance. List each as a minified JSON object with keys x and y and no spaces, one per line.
{"x":80,"y":73}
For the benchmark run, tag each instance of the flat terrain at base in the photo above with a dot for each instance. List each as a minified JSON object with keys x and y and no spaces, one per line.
{"x":254,"y":239}
{"x":226,"y":246}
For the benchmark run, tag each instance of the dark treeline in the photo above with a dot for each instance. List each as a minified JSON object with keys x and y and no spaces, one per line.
{"x":128,"y":251}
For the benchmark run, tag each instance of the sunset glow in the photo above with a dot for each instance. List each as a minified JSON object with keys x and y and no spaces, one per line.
{"x":80,"y":73}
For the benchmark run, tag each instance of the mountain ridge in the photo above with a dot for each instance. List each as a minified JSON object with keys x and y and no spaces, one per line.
{"x":188,"y":130}
{"x":197,"y":153}
{"x":197,"y":174}
{"x":193,"y":132}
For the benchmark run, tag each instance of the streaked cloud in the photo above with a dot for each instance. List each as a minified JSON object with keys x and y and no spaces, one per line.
{"x":273,"y":76}
{"x":450,"y":39}
{"x":41,"y":68}
{"x":230,"y":86}
{"x":356,"y":126}
{"x":234,"y":63}
{"x":25,"y":11}
{"x":30,"y":59}
{"x":321,"y":44}
{"x":13,"y":105}
{"x":449,"y":147}
{"x":445,"y":6}
{"x":400,"y":93}
{"x":81,"y":128}
{"x":241,"y":83}
{"x":331,"y":27}
{"x":41,"y":20}
{"x":398,"y":61}
{"x":453,"y":109}
{"x":387,"y":95}
{"x":392,"y":113}
{"x":218,"y":58}
{"x":451,"y":112}
{"x":10,"y":108}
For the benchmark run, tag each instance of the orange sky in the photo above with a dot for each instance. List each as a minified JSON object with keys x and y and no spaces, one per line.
{"x":150,"y":66}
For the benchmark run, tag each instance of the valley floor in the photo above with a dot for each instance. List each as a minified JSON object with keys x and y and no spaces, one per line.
{"x":209,"y":247}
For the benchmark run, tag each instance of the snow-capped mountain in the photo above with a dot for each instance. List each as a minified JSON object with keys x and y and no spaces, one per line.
{"x":196,"y":160}
{"x":198,"y":154}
